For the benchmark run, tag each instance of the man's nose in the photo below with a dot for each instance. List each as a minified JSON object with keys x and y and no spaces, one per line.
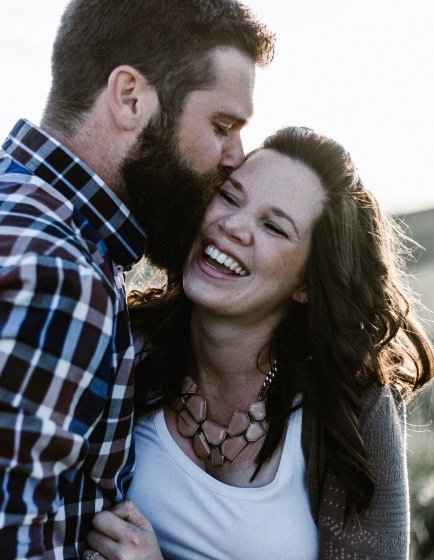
{"x":233,"y":152}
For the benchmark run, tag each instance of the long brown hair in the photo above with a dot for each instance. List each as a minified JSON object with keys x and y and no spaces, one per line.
{"x":356,"y":332}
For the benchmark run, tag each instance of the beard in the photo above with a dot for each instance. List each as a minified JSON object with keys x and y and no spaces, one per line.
{"x":167,"y":196}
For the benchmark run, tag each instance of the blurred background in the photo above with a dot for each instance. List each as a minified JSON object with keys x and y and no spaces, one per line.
{"x":360,"y":72}
{"x":420,"y":443}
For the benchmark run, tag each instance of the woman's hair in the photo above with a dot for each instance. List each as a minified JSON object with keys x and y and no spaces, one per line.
{"x":356,"y":331}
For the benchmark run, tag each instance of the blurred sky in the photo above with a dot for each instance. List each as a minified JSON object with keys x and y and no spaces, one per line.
{"x":359,"y":71}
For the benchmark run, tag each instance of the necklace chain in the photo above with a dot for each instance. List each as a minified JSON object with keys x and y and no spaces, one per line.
{"x":269,"y":378}
{"x":213,"y":440}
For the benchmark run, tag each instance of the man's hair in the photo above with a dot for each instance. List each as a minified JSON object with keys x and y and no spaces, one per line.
{"x":168,"y":41}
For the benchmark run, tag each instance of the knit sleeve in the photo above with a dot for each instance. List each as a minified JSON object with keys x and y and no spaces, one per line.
{"x":384,"y":527}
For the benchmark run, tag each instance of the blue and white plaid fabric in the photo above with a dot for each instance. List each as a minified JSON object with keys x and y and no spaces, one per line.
{"x":66,"y":352}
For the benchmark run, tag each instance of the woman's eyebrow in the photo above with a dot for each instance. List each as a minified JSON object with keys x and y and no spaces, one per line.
{"x":236,"y":184}
{"x":279,"y":212}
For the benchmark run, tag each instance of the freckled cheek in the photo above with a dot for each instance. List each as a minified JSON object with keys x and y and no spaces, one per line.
{"x":212,"y":215}
{"x":287,"y":270}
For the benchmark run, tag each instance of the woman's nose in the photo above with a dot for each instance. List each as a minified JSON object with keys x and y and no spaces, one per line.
{"x":238,"y":226}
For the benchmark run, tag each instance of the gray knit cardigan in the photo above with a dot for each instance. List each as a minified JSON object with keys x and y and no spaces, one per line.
{"x":384,"y":527}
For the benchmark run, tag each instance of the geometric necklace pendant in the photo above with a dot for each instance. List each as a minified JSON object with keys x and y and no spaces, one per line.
{"x":212,"y":440}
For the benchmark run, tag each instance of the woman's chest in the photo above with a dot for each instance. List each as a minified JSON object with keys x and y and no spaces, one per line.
{"x":237,"y":472}
{"x":196,"y":516}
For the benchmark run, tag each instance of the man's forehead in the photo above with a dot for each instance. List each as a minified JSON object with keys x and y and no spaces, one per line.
{"x":233,"y":68}
{"x":234,"y":83}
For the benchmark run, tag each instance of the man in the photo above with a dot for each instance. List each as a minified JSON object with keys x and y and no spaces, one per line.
{"x":143,"y":120}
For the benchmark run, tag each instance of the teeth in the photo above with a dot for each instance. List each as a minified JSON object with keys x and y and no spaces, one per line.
{"x":227,"y":261}
{"x":214,"y":253}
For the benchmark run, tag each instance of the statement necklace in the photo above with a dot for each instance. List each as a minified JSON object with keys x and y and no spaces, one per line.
{"x":214,"y":440}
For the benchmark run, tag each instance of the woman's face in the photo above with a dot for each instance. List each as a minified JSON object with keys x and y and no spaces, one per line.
{"x":248,"y":259}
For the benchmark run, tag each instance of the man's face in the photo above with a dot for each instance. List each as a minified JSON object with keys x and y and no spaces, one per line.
{"x":171,"y":173}
{"x":211,"y":121}
{"x":167,"y":197}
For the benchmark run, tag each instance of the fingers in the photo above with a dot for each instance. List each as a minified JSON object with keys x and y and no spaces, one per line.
{"x":107,"y":547}
{"x":123,"y":519}
{"x":133,"y":544}
{"x":123,"y":532}
{"x":111,"y":526}
{"x":92,"y":555}
{"x":128,"y":511}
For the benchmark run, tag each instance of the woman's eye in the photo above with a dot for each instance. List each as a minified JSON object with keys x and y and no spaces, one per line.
{"x":275,"y":230}
{"x":227,"y":197}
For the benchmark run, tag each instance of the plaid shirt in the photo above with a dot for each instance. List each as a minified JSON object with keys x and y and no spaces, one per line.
{"x":66,"y":352}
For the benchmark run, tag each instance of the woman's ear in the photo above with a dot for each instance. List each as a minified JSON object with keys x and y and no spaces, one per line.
{"x":301,"y":295}
{"x":132,"y":100}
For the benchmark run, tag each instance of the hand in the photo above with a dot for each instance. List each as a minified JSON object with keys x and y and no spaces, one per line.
{"x":123,"y":533}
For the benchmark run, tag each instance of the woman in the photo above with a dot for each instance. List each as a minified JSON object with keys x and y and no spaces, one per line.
{"x":271,"y":419}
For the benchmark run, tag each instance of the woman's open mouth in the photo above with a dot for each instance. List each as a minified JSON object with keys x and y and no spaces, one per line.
{"x":220,"y":261}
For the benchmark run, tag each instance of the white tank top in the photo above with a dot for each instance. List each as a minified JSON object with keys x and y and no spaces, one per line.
{"x":197,"y":517}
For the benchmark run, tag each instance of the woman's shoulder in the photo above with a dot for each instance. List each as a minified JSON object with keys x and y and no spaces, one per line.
{"x":382,"y":531}
{"x":383,"y":429}
{"x":382,"y":406}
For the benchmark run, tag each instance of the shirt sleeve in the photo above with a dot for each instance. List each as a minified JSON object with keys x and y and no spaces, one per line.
{"x":384,"y":528}
{"x":56,"y":320}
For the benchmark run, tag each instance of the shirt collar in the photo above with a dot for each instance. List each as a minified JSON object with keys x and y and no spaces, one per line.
{"x":45,"y":157}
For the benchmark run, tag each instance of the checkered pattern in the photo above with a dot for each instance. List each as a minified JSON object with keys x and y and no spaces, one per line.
{"x":66,"y":353}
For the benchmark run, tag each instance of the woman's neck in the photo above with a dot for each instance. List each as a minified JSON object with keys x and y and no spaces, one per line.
{"x":226,"y":354}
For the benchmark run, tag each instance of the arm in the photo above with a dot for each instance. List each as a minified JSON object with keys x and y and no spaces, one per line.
{"x":55,"y":341}
{"x":384,"y":528}
{"x":123,"y":532}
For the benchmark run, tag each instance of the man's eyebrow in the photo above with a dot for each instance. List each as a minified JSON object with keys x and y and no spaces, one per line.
{"x":276,"y":211}
{"x":232,"y":117}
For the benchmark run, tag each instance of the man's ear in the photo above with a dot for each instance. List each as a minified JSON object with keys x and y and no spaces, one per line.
{"x":133,"y":101}
{"x":301,"y":295}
